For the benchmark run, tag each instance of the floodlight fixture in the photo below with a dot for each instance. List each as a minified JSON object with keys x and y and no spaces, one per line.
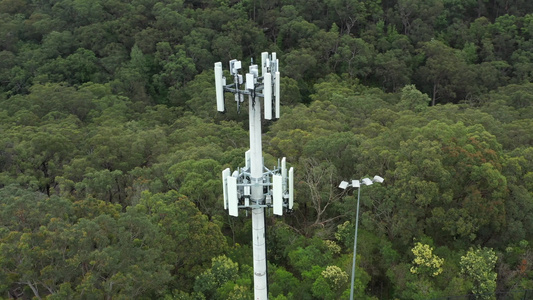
{"x":367,"y":181}
{"x":378,"y":179}
{"x":344,"y":185}
{"x":356,"y":183}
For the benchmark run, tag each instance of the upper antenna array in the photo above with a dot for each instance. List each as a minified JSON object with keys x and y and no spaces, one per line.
{"x":266,"y":86}
{"x":276,"y":185}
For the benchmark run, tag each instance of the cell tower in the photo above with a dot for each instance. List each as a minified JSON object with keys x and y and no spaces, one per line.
{"x":254,"y":187}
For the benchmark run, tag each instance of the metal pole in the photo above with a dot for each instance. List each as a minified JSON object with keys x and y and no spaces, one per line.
{"x":355,"y":242}
{"x":258,"y":214}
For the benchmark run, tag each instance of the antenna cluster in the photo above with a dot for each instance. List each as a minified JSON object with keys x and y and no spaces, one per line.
{"x":277,"y":186}
{"x":266,"y":86}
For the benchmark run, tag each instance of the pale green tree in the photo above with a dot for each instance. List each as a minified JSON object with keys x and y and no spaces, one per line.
{"x":425,"y":262}
{"x":413,"y":99}
{"x":478,"y":265}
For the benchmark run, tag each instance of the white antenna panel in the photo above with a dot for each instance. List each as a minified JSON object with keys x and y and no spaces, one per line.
{"x":225,"y":174}
{"x":239,"y":97}
{"x":254,"y":69}
{"x":247,"y":162}
{"x":264,"y":57}
{"x":219,"y":87}
{"x":291,"y":187}
{"x":284,"y":168}
{"x":250,"y":81}
{"x":277,"y":94}
{"x":277,"y":193}
{"x":233,"y":203}
{"x":267,"y":94}
{"x":234,"y":66}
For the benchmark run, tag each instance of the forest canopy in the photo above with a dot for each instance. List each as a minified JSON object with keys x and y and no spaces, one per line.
{"x":111,"y":148}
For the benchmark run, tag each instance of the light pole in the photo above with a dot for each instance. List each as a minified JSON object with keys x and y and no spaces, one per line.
{"x":357,"y":184}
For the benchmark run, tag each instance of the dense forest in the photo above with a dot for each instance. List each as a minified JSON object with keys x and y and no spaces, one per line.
{"x":111,"y":148}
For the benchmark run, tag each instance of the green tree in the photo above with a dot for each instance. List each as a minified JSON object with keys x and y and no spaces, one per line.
{"x":393,"y":69}
{"x":413,"y":99}
{"x":446,"y":173}
{"x":445,"y":72}
{"x":281,"y":282}
{"x":303,"y":64}
{"x":223,"y":270}
{"x":198,"y":47}
{"x":49,"y":251}
{"x":191,"y":239}
{"x":176,"y":70}
{"x":517,"y":169}
{"x":200,"y":181}
{"x":504,"y":36}
{"x":171,"y":20}
{"x":38,"y":154}
{"x":293,"y":29}
{"x":79,"y":67}
{"x":132,"y":77}
{"x":351,"y":14}
{"x":57,"y":44}
{"x":354,"y":56}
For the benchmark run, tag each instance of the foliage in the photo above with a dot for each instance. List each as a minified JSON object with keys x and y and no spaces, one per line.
{"x":478,"y":266}
{"x":425,"y":262}
{"x":330,"y":284}
{"x":111,"y":148}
